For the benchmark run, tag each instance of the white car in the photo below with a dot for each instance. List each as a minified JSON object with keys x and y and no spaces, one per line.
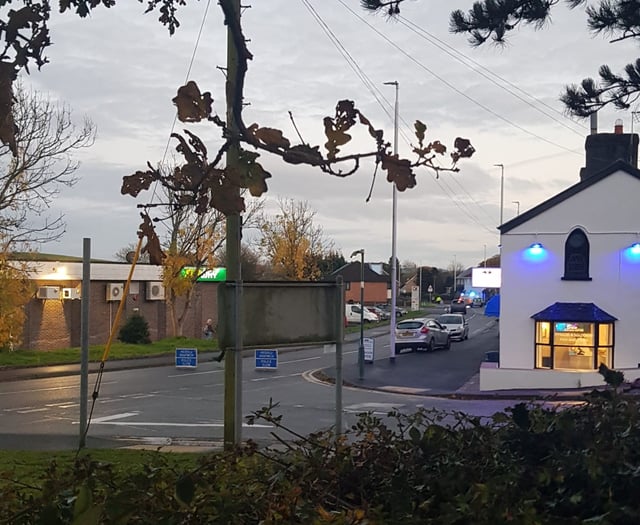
{"x":456,"y":324}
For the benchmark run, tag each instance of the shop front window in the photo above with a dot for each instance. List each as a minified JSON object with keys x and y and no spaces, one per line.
{"x":573,"y":345}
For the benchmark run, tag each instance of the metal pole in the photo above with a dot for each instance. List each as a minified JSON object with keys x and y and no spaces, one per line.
{"x":394,"y":229}
{"x":340,"y":338}
{"x":361,"y":345}
{"x":517,"y":203}
{"x":420,"y":289}
{"x":485,"y":255}
{"x":501,"y":166}
{"x":84,"y":338}
{"x":455,"y":271}
{"x":233,"y":359}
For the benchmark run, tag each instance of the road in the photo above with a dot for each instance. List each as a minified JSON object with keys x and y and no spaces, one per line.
{"x":164,"y":405}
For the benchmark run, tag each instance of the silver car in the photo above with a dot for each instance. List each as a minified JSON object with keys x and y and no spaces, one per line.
{"x":421,"y":333}
{"x":456,"y":324}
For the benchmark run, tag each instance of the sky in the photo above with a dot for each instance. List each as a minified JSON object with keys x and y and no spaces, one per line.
{"x":121,"y":68}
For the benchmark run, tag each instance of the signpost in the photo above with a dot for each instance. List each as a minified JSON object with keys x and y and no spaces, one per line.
{"x":368,"y":349}
{"x":415,"y":298}
{"x":186,"y":357}
{"x":266,"y":359}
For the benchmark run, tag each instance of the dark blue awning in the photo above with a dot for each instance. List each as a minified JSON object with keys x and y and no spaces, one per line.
{"x":578,"y":312}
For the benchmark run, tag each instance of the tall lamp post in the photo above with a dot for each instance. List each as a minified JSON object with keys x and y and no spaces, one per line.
{"x":361,"y":344}
{"x":394,"y":228}
{"x":501,"y":166}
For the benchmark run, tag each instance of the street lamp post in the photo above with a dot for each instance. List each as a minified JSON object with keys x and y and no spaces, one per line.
{"x":361,"y":344}
{"x":394,"y":269}
{"x":485,"y":255}
{"x":501,"y":166}
{"x":455,"y":269}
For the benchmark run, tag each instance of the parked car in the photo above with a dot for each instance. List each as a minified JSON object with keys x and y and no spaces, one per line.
{"x":457,"y":325}
{"x":421,"y":333}
{"x":353,"y":314}
{"x":383,"y":315}
{"x":387,"y":308}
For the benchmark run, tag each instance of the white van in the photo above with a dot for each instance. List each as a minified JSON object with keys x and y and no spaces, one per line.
{"x":352,"y":313}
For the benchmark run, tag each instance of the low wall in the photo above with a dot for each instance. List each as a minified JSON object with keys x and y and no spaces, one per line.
{"x":494,"y":378}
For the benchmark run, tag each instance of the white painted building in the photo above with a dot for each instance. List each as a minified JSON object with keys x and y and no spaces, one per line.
{"x":570,"y":295}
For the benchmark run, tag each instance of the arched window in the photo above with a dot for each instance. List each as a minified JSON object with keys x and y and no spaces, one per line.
{"x":576,"y":257}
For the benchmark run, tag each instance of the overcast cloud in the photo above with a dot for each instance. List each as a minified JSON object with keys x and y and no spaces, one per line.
{"x":121,"y":69}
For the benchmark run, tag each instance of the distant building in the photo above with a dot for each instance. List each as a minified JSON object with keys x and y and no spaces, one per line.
{"x":53,"y":314}
{"x":377,"y":282}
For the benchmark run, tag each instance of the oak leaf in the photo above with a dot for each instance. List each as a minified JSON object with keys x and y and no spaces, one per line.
{"x":421,"y":129}
{"x":303,"y":154}
{"x":464,"y":149}
{"x":253,"y":175}
{"x":152,"y":247}
{"x":192,"y":105}
{"x":269,"y":136}
{"x":399,"y":172}
{"x":227,"y":200}
{"x":140,"y":180}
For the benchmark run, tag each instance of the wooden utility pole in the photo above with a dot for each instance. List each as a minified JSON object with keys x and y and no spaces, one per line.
{"x":233,"y":358}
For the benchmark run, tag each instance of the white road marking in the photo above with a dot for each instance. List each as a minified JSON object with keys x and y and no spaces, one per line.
{"x":98,"y":420}
{"x":190,"y":374}
{"x":51,"y":389}
{"x":161,"y":424}
{"x":32,"y":410}
{"x":275,"y":377}
{"x":111,"y":420}
{"x":365,"y":407}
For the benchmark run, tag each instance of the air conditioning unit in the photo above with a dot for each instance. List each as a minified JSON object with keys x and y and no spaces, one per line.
{"x":115,"y":291}
{"x":70,"y":293}
{"x":155,"y":291}
{"x":48,"y":292}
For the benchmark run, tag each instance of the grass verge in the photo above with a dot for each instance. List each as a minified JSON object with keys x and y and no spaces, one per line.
{"x":25,"y":358}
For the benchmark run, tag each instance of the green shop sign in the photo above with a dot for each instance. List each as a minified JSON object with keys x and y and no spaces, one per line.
{"x":213,"y":274}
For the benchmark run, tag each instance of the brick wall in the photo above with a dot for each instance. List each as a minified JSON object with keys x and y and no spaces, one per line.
{"x":55,"y":323}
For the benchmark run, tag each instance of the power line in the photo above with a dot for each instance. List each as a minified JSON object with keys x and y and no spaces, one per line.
{"x":480,"y":70}
{"x":453,"y":87}
{"x":373,"y":89}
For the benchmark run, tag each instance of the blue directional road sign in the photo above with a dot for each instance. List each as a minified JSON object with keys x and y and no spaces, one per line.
{"x":267,"y":359}
{"x":186,"y":357}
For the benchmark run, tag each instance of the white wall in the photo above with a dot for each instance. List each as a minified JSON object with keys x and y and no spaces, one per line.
{"x":606,"y":212}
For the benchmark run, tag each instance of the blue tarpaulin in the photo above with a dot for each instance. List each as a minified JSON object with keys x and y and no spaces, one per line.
{"x":492,"y":309}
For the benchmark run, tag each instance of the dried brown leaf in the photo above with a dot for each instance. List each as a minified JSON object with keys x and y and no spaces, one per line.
{"x":140,"y":180}
{"x":269,"y":136}
{"x":192,"y":105}
{"x":398,"y":172}
{"x":303,"y":154}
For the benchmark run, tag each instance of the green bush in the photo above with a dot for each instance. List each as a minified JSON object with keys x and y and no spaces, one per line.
{"x":536,"y":464}
{"x":135,"y":330}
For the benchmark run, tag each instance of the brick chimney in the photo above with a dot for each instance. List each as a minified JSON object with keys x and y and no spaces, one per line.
{"x":603,"y":149}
